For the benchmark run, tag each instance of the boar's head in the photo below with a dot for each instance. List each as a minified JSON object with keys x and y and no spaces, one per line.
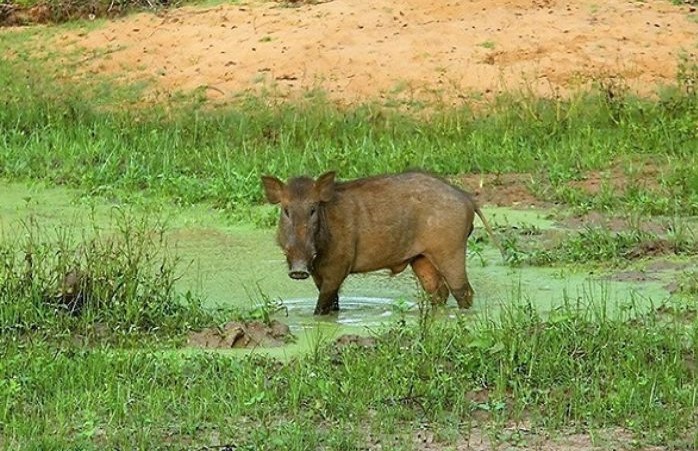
{"x":302,"y":228}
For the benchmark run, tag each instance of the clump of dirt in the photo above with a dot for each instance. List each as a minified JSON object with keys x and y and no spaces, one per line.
{"x":515,"y":436}
{"x":354,"y":340}
{"x":349,"y":340}
{"x":237,"y":334}
{"x":410,"y":52}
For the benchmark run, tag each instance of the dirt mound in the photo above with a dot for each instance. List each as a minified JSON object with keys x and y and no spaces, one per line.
{"x":235,"y":334}
{"x":651,"y":248}
{"x":408,"y":51}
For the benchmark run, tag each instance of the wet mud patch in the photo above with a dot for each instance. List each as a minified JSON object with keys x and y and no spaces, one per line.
{"x":667,"y":265}
{"x":654,"y":270}
{"x":631,"y":276}
{"x":236,"y":334}
{"x":685,"y":283}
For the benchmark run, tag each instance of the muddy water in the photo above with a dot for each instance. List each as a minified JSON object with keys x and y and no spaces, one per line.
{"x":240,"y":265}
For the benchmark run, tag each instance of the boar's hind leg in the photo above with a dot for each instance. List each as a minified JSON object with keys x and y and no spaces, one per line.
{"x":453,"y":269}
{"x":430,"y":278}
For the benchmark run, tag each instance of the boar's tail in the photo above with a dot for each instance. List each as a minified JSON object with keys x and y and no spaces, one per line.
{"x":490,"y":232}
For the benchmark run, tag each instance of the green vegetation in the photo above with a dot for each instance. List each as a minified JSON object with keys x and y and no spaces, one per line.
{"x":688,"y":283}
{"x":577,"y":368}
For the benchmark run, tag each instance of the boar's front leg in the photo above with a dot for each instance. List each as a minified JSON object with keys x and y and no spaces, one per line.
{"x":328,"y":299}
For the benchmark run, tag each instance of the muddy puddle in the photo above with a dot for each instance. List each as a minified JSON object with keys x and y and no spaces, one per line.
{"x":230,"y":264}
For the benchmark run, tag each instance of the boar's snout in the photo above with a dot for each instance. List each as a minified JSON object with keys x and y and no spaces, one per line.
{"x":299,"y":275}
{"x":299,"y":265}
{"x":299,"y":271}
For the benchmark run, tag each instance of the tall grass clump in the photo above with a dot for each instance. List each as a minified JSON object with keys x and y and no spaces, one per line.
{"x":192,"y":152}
{"x":63,"y":280}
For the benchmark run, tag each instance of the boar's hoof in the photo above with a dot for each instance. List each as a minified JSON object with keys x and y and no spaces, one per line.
{"x":324,"y":310}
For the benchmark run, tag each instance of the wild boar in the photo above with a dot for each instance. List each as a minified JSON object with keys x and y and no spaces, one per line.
{"x":329,"y":229}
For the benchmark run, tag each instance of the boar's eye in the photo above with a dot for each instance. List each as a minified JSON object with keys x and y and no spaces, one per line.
{"x":286,"y":212}
{"x":313,"y":210}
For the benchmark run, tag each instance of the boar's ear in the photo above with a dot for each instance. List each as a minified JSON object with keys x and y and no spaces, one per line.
{"x":273,"y":189}
{"x":324,"y":186}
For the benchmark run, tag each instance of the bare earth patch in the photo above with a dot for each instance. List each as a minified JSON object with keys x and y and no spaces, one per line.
{"x":522,"y":438}
{"x":501,"y":189}
{"x":621,"y":177}
{"x":416,"y":49}
{"x":595,"y":219}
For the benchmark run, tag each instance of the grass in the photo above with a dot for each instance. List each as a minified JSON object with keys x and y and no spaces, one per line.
{"x":192,"y":152}
{"x":688,"y":283}
{"x":578,"y":368}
